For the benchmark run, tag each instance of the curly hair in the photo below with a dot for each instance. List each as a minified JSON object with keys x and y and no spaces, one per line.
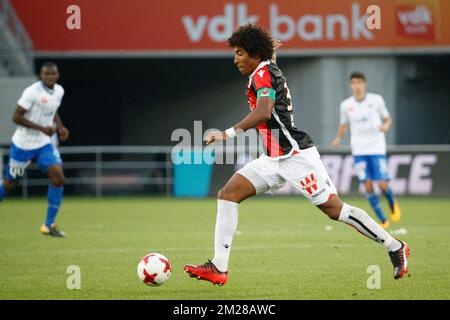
{"x":256,"y":41}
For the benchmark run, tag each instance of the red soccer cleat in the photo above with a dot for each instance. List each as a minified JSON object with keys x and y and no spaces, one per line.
{"x":399,"y":259}
{"x":208,"y":272}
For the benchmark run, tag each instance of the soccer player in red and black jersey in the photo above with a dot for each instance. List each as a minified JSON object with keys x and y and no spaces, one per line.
{"x":290,"y":157}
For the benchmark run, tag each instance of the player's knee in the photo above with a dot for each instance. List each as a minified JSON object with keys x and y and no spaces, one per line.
{"x":228,"y":195}
{"x":57,"y":180}
{"x":368,"y":186}
{"x":383,"y":186}
{"x":9,"y":184}
{"x":224,"y":194}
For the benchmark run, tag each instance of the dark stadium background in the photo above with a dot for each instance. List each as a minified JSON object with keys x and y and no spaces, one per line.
{"x":141,"y":101}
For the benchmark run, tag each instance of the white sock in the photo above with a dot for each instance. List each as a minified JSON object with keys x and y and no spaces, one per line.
{"x":360,"y":220}
{"x":226,"y":226}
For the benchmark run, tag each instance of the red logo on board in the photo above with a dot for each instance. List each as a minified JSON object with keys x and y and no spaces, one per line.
{"x":416,"y":20}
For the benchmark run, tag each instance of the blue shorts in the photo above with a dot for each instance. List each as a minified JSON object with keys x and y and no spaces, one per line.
{"x":372,"y":167}
{"x":45,"y":157}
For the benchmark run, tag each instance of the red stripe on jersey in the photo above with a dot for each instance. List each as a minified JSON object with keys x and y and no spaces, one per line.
{"x":273,"y":147}
{"x":262,"y":79}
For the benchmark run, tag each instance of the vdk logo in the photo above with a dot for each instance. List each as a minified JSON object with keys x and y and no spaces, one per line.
{"x":416,"y":21}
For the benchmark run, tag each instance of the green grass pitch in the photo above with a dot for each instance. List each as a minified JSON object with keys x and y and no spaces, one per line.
{"x":283,"y":250}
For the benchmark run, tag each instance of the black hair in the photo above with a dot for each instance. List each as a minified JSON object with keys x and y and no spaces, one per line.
{"x":49,"y":64}
{"x":256,"y":41}
{"x":357,"y":75}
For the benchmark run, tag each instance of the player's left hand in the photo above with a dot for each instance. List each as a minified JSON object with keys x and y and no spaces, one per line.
{"x":384,"y":128}
{"x":215,"y":136}
{"x":336,"y":143}
{"x":63,"y":133}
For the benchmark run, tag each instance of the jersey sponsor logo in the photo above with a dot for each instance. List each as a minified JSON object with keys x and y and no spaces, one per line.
{"x":261,"y":73}
{"x":309,"y":183}
{"x":44,"y":100}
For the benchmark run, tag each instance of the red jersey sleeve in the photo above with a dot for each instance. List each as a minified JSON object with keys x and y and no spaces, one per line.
{"x":262,"y":79}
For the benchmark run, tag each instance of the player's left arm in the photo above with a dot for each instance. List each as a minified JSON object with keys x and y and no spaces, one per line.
{"x":62,"y":130}
{"x":384,"y":113}
{"x":276,"y":45}
{"x":387,"y":124}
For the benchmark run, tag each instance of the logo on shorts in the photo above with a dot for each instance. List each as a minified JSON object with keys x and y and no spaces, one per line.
{"x":309,"y":183}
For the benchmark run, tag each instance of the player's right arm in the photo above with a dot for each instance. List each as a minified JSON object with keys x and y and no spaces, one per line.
{"x":342,"y":128}
{"x":339,"y":135}
{"x":19,"y":118}
{"x":24,"y":104}
{"x":262,"y":113}
{"x":265,"y":102}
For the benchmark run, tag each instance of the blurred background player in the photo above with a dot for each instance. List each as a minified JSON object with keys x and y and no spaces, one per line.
{"x":37,"y":120}
{"x":369,"y":121}
{"x":291,"y":157}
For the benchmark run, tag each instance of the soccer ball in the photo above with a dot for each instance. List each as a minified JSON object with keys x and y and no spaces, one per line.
{"x":154,"y":269}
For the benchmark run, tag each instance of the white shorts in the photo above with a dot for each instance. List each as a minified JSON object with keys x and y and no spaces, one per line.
{"x":303,"y":170}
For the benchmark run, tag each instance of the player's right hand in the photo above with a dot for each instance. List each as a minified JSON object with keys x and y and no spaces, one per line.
{"x":215,"y":136}
{"x":336,"y":143}
{"x":49,"y":130}
{"x":276,"y":44}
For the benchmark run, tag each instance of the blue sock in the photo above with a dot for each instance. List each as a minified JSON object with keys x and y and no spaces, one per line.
{"x":390,"y":196}
{"x":2,"y":191}
{"x":54,"y":196}
{"x":373,"y":200}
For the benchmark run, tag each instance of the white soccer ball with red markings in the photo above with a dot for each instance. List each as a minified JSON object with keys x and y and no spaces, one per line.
{"x":154,"y":269}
